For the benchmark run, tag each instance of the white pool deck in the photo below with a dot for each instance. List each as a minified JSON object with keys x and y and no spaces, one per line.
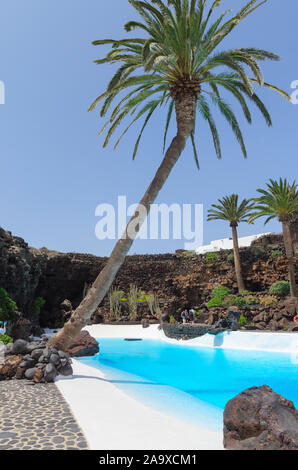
{"x":112,"y":420}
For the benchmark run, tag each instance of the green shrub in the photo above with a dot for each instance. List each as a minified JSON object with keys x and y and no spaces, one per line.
{"x":210,"y":257}
{"x":280,"y":288}
{"x":220,"y":292}
{"x":235,"y":301}
{"x":245,"y":292}
{"x":276,"y":254}
{"x":231,"y":258}
{"x":214,"y":302}
{"x":38,"y":304}
{"x":242,"y":321}
{"x":5,"y":339}
{"x":198,"y":312}
{"x":7,"y":306}
{"x":251,"y":300}
{"x":172,"y":320}
{"x":269,"y":301}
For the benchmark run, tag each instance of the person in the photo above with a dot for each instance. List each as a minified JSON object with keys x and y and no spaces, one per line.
{"x":191,"y":315}
{"x":2,"y":328}
{"x":183,"y":316}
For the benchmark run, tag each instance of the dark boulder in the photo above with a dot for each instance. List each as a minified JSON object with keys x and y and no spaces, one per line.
{"x":49,"y":373}
{"x":260,"y":419}
{"x":84,"y":345}
{"x":19,"y":347}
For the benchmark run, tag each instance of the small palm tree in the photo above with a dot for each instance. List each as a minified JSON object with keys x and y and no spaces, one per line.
{"x":229,"y":210}
{"x":280,"y":201}
{"x":175,"y":64}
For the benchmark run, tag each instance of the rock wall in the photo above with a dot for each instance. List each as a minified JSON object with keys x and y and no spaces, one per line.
{"x":180,"y":280}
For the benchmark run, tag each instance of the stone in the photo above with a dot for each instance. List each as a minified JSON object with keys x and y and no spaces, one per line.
{"x":29,"y":373}
{"x":84,"y":345}
{"x":65,"y":370}
{"x":9,"y":368}
{"x":50,"y":373}
{"x":54,"y":359}
{"x":36,"y":353}
{"x":145,"y":323}
{"x":260,"y":419}
{"x":19,"y":347}
{"x":38,"y":376}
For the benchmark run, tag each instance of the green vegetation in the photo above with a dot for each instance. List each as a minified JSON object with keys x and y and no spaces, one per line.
{"x":172,"y":320}
{"x":280,"y":200}
{"x":276,"y":254}
{"x":251,"y":300}
{"x":198,"y":312}
{"x":231,"y":258}
{"x":215,"y":302}
{"x":7,"y":306}
{"x":39,"y":302}
{"x":231,"y":210}
{"x":115,"y":297}
{"x":280,"y":288}
{"x":5,"y":339}
{"x":245,"y":292}
{"x":268,"y":301}
{"x":220,"y":292}
{"x":210,"y":257}
{"x":242,"y":321}
{"x":235,"y":301}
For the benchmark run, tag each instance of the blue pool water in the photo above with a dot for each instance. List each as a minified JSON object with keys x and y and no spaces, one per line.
{"x":190,"y":381}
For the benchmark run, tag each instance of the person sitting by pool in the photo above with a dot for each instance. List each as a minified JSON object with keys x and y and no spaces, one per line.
{"x":2,"y":328}
{"x":183,"y":316}
{"x":191,"y":314}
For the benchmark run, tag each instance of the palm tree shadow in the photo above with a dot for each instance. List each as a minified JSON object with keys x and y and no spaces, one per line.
{"x":115,"y":381}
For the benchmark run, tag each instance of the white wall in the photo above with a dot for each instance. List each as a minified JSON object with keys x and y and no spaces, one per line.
{"x":227,"y":244}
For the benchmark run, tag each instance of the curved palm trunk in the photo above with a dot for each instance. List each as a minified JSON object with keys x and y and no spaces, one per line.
{"x":185,"y":114}
{"x":287,"y":236}
{"x":237,"y":261}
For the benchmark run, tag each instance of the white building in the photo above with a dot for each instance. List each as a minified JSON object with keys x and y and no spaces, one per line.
{"x":227,"y":244}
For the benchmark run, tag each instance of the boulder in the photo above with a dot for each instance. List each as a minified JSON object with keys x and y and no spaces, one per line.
{"x":260,"y":419}
{"x":19,"y":347}
{"x":49,"y":373}
{"x":84,"y":345}
{"x":29,"y":373}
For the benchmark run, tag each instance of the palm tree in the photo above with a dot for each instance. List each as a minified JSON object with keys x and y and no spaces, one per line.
{"x":280,"y":200}
{"x":228,"y":209}
{"x":176,"y":65}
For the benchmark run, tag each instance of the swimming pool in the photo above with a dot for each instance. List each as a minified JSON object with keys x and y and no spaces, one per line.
{"x":192,"y":382}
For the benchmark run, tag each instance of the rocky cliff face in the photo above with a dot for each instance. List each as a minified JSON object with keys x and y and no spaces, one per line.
{"x":178,"y":279}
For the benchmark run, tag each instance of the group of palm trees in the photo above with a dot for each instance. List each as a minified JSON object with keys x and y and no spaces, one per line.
{"x":279,"y":200}
{"x":176,"y":64}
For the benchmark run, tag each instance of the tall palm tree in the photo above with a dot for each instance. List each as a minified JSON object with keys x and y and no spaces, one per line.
{"x":176,"y":65}
{"x":280,"y":201}
{"x":228,"y":209}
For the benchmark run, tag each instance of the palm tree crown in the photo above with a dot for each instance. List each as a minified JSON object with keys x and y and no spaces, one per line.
{"x":176,"y":57}
{"x":228,"y":209}
{"x":279,"y":200}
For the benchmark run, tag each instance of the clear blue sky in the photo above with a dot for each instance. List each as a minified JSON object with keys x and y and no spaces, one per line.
{"x":54,"y":171}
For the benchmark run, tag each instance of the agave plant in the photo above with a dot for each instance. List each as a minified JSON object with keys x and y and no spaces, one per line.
{"x":231,"y":211}
{"x":176,"y":65}
{"x":280,"y":200}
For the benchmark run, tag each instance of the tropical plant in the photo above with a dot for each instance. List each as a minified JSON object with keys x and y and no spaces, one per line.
{"x":235,"y":301}
{"x":242,"y":320}
{"x":175,"y":63}
{"x":230,"y":210}
{"x":133,"y":296}
{"x":215,"y":302}
{"x":115,"y":297}
{"x":251,"y":300}
{"x":210,"y":257}
{"x":280,"y":288}
{"x":39,"y":302}
{"x":269,"y":301}
{"x":172,"y":320}
{"x":153,"y":305}
{"x":280,"y":200}
{"x":220,"y":292}
{"x":276,"y":254}
{"x":8,"y":307}
{"x":5,"y":339}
